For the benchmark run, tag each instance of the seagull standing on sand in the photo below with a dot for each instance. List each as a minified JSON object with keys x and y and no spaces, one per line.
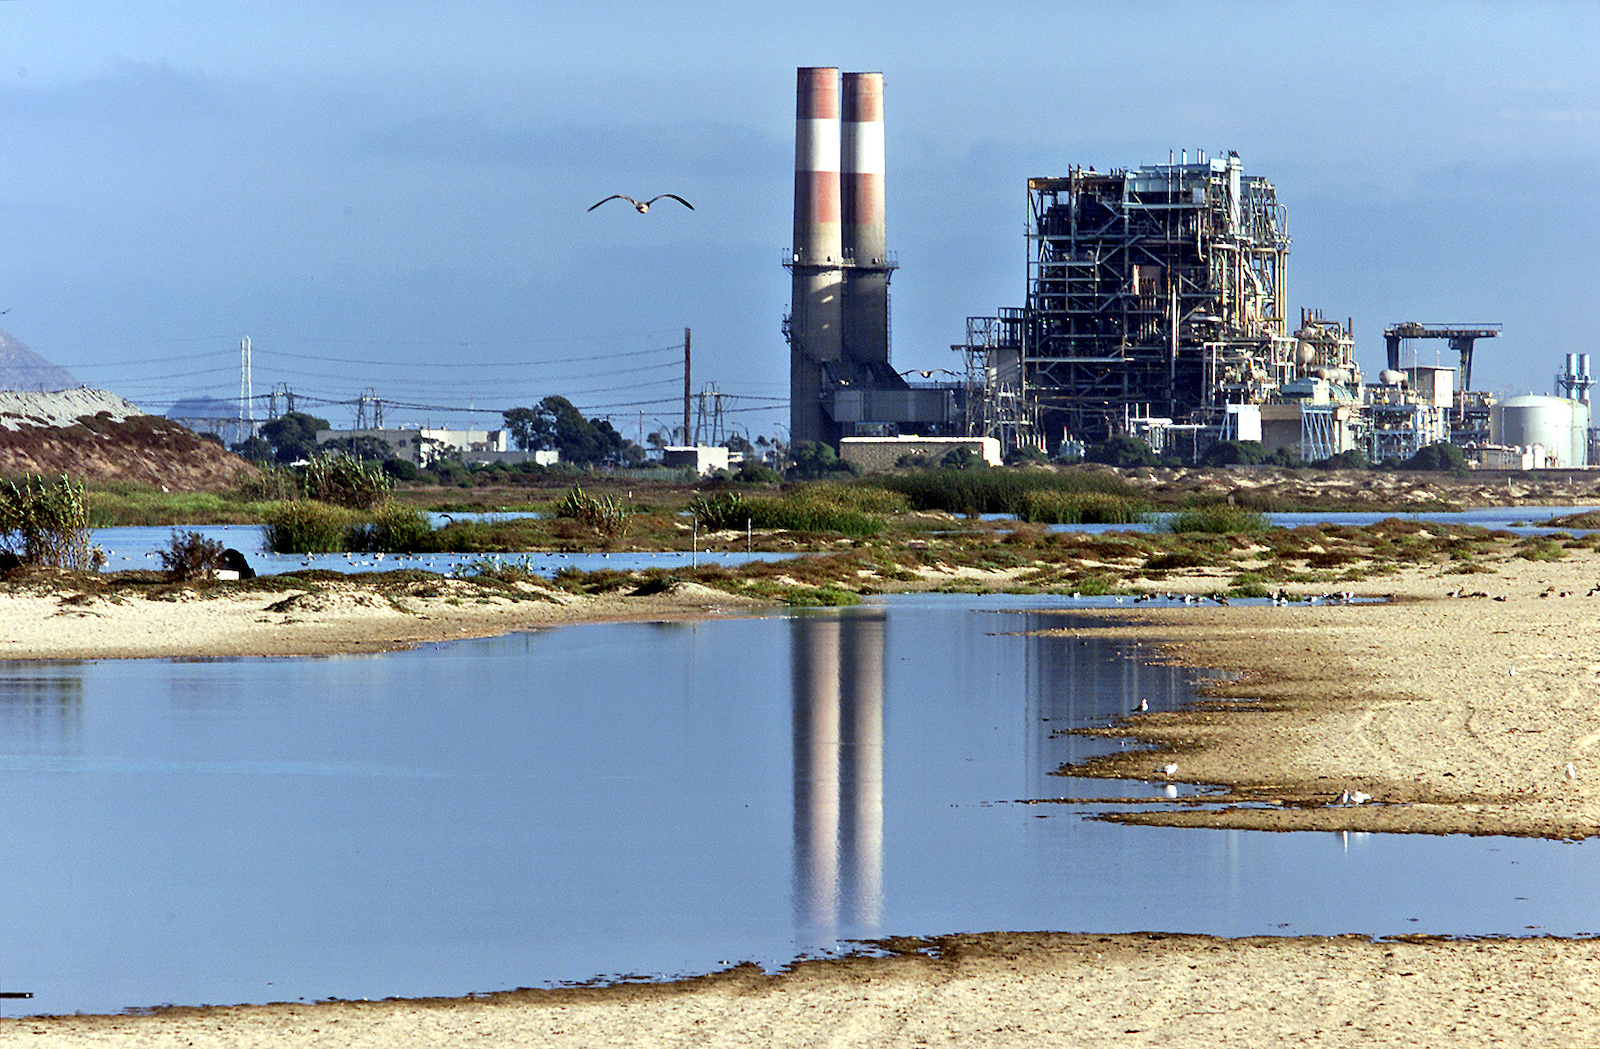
{"x":643,"y":206}
{"x":1572,"y":773}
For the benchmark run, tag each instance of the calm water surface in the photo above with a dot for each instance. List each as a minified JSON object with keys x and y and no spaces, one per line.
{"x":138,"y":547}
{"x":641,"y":799}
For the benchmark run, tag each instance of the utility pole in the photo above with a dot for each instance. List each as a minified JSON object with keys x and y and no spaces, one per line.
{"x":687,"y":439}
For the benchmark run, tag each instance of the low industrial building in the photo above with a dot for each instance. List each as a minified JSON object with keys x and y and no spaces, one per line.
{"x":878,"y":454}
{"x":702,"y":459}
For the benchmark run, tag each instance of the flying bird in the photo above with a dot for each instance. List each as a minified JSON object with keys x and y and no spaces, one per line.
{"x":643,"y":206}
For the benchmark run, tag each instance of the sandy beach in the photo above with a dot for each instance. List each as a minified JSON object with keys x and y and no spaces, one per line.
{"x":1456,"y":714}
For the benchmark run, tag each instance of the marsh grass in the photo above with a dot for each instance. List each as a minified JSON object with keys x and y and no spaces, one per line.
{"x":821,"y":508}
{"x":46,"y":523}
{"x":341,"y":479}
{"x":1217,"y":519}
{"x":136,"y":506}
{"x":1053,"y":506}
{"x":972,"y":492}
{"x":306,"y":526}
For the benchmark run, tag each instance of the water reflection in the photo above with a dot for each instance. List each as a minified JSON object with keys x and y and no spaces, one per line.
{"x":41,"y":708}
{"x":1085,"y":681}
{"x":838,"y":675}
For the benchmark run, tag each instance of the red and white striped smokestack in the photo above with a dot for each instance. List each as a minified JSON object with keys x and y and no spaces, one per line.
{"x":817,"y":236}
{"x":861,"y":167}
{"x":866,"y":289}
{"x":816,"y":265}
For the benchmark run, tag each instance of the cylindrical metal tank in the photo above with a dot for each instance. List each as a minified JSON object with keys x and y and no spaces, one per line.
{"x":1558,"y":424}
{"x":1580,"y":433}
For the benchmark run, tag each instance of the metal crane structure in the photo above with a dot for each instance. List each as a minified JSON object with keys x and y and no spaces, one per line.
{"x":1469,"y":412}
{"x":1461,"y":340}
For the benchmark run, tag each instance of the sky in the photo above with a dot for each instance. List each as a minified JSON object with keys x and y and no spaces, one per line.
{"x":393,"y":197}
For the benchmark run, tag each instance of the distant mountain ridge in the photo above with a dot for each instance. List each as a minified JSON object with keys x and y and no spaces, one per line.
{"x":22,"y":369}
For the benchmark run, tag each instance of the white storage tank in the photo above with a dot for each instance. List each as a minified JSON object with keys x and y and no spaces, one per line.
{"x":1559,"y":425}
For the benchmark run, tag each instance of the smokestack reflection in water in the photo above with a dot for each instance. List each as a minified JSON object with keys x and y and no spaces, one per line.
{"x":838,"y":770}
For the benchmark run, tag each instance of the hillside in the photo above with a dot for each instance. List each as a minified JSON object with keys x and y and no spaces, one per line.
{"x":98,"y":436}
{"x":22,"y":369}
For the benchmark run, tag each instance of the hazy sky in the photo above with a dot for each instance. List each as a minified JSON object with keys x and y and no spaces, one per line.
{"x":392,"y":196}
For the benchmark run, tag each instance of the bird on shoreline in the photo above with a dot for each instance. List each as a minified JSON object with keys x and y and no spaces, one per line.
{"x":643,"y":206}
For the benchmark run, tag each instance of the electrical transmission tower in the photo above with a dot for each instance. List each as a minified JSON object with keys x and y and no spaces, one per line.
{"x":247,"y":393}
{"x":708,"y":421}
{"x":283,"y":393}
{"x":369,"y":410}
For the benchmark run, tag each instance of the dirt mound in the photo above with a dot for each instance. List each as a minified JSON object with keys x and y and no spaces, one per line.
{"x":112,"y":444}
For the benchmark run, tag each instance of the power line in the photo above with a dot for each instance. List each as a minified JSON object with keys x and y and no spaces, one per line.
{"x":460,"y":364}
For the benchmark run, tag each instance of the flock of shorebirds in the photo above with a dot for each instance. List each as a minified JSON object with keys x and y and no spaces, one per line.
{"x":1282,"y":597}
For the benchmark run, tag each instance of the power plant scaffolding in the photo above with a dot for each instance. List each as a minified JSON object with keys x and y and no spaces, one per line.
{"x":1157,"y":291}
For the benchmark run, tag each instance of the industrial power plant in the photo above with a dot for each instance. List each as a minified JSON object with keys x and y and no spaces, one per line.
{"x":1156,"y":306}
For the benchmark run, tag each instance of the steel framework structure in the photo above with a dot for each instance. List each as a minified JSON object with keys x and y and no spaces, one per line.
{"x":1157,"y":291}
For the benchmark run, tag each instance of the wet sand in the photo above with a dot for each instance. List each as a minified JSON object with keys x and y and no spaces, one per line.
{"x":335,"y":617}
{"x":1456,"y":714}
{"x":1001,"y":990}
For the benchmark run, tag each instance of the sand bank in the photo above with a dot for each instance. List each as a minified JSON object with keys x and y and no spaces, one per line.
{"x":1456,"y":714}
{"x":326,"y":618}
{"x":1000,"y":990}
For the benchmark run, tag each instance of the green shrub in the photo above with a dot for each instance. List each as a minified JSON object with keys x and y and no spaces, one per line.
{"x":721,"y":511}
{"x":813,"y":459}
{"x":341,"y":479}
{"x":190,"y":555}
{"x":1218,"y":519}
{"x":605,"y":514}
{"x":1234,"y":453}
{"x":1123,"y":452}
{"x":305,"y":526}
{"x":1249,"y":584}
{"x":962,"y":459}
{"x":405,"y":469}
{"x":47,"y":523}
{"x":820,"y":597}
{"x":752,"y":471}
{"x":1354,"y":459}
{"x":1441,"y":455}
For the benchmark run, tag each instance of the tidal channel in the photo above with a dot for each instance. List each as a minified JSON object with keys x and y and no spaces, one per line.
{"x":634,"y":800}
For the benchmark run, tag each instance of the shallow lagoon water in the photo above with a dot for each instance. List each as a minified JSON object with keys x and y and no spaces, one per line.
{"x":139,"y":548}
{"x":642,"y":799}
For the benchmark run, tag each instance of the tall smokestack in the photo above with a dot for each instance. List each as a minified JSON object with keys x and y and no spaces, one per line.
{"x":817,"y":260}
{"x":866,"y":292}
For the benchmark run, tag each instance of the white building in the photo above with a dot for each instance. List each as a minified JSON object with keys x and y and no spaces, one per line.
{"x":422,"y":446}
